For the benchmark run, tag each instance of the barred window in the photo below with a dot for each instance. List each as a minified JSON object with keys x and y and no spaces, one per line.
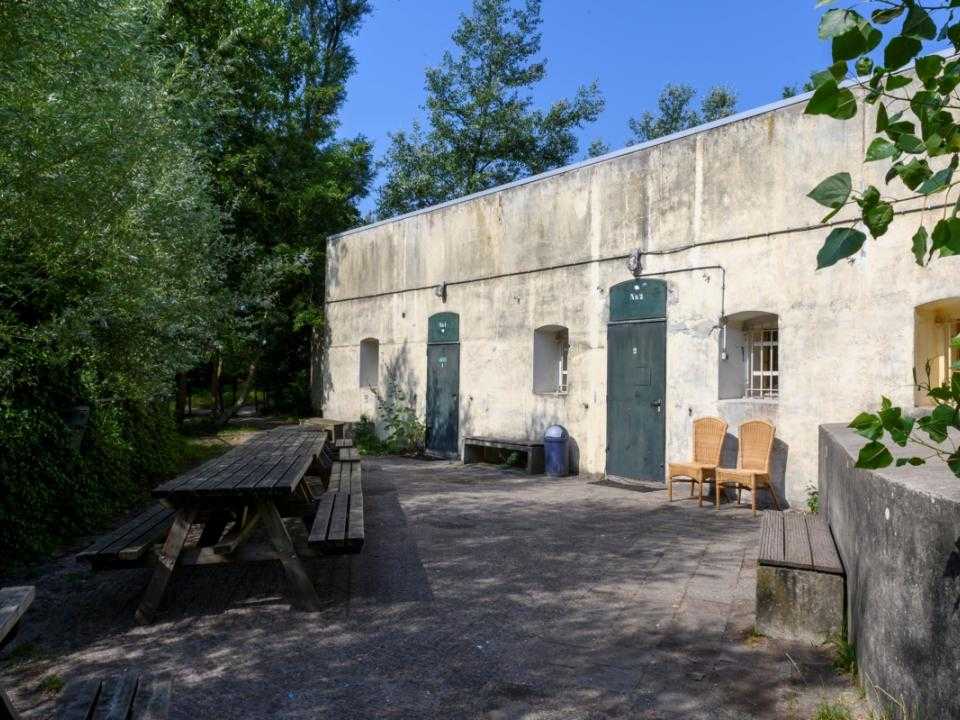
{"x":551,"y":348}
{"x":763,"y":370}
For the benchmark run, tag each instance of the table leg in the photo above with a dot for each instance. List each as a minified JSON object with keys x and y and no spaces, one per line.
{"x":172,"y":546}
{"x":213,"y":529}
{"x":304,"y":594}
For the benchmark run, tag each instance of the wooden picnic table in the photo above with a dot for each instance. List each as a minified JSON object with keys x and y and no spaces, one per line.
{"x":259,"y":482}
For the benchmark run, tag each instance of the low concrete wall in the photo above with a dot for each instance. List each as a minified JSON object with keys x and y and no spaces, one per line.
{"x":898,"y":533}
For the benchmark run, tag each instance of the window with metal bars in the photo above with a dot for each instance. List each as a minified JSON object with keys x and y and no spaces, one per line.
{"x":953,"y":353}
{"x":763,"y":362}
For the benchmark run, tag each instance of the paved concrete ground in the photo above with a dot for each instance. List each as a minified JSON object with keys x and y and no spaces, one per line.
{"x":480,"y":593}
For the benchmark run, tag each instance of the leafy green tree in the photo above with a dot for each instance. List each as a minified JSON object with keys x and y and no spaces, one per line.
{"x":675,"y":112}
{"x":918,"y":136}
{"x":282,"y":176}
{"x":110,"y":260}
{"x":482,"y":127}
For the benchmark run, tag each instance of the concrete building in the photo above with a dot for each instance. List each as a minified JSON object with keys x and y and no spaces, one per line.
{"x":626,"y":295}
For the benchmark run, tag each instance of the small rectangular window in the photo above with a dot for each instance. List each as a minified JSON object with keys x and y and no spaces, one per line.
{"x":562,"y":364}
{"x":763,"y":371}
{"x":953,"y":352}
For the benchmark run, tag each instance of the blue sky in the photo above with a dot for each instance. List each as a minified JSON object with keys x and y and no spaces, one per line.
{"x":632,"y":48}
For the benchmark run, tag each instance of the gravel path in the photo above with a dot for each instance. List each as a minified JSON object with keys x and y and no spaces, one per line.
{"x":480,"y":593}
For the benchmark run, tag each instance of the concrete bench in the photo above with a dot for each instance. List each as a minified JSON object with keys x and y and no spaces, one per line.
{"x":474,"y":451}
{"x":800,"y":579}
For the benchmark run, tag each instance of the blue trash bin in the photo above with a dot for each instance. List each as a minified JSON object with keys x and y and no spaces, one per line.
{"x":556,"y":453}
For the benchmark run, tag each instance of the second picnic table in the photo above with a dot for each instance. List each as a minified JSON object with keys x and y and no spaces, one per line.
{"x":259,"y":482}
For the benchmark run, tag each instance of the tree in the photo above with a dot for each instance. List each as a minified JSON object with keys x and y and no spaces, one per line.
{"x":676,"y":114}
{"x":282,"y":176}
{"x":917,"y":134}
{"x":597,"y":148}
{"x":482,"y":128}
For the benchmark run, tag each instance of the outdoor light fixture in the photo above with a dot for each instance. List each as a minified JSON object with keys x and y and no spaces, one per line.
{"x":441,"y":291}
{"x":635,"y":262}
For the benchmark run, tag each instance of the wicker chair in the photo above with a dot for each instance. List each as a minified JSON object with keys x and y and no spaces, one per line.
{"x":708,"y":434}
{"x":753,"y":463}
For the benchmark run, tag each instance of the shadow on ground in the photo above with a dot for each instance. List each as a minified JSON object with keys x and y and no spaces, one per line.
{"x":480,"y":593}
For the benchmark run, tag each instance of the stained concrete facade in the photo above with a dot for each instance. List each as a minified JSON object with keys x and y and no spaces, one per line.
{"x":720,"y":215}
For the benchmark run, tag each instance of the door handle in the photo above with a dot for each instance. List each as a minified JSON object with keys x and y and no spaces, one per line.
{"x":658,"y":404}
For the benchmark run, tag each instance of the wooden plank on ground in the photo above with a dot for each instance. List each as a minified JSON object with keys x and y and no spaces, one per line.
{"x":153,"y":700}
{"x":116,"y":697}
{"x":14,"y":602}
{"x":796,"y":542}
{"x":822,"y":548}
{"x":7,"y":710}
{"x":77,"y":700}
{"x":771,"y":538}
{"x":321,"y":520}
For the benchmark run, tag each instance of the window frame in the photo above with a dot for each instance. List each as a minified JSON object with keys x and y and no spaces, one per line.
{"x":762,"y":383}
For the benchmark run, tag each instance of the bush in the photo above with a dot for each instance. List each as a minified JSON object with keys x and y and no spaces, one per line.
{"x":405,"y":431}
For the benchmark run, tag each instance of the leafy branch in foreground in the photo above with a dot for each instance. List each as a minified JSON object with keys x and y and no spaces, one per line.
{"x":917,"y":134}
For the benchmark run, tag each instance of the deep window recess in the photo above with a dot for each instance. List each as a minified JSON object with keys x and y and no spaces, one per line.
{"x":551,"y":349}
{"x":369,"y":363}
{"x":750,"y":357}
{"x":937,"y":323}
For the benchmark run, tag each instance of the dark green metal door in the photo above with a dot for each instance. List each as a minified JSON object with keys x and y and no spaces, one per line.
{"x":443,"y":385}
{"x":636,"y":381}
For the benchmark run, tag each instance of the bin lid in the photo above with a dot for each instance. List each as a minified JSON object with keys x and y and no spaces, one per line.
{"x":555,"y":432}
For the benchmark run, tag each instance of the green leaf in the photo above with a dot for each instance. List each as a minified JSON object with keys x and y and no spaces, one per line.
{"x":920,"y":245}
{"x":914,"y":172}
{"x":837,"y":22}
{"x":919,"y":24}
{"x":928,"y":66}
{"x":878,"y":218}
{"x":874,"y":455}
{"x":910,"y":143}
{"x":868,"y":425}
{"x":936,"y":182}
{"x":849,"y":45}
{"x":901,"y":50}
{"x":896,"y":424}
{"x":840,"y":243}
{"x":864,"y":66}
{"x":953,"y":462}
{"x":895,"y":82}
{"x":834,"y":191}
{"x":882,"y":17}
{"x":953,"y":32}
{"x":880,"y":149}
{"x":915,"y":461}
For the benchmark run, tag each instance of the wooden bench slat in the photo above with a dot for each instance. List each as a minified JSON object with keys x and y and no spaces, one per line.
{"x":796,"y":541}
{"x":152,"y":701}
{"x":116,"y":697}
{"x":77,"y":700}
{"x":129,"y":528}
{"x":771,"y":538}
{"x":355,"y":521}
{"x":822,"y":548}
{"x":338,"y":519}
{"x":14,"y":602}
{"x":321,"y":520}
{"x":349,"y":453}
{"x":150,"y":535}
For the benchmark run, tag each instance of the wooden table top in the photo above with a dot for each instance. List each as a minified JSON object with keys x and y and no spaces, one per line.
{"x":270,"y":463}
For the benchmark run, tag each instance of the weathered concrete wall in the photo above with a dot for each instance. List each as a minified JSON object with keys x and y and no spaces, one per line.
{"x":898,"y":533}
{"x":548,"y":250}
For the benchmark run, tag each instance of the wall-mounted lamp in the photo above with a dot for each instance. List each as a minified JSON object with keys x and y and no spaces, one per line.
{"x":441,"y":291}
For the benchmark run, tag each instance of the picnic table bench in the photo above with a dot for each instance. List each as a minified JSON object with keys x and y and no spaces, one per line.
{"x":474,"y":451}
{"x":800,"y":579}
{"x":252,"y":486}
{"x":338,"y":523}
{"x":128,"y":697}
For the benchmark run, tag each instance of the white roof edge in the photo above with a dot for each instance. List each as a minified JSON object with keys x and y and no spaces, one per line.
{"x":730,"y":119}
{"x":746,"y":114}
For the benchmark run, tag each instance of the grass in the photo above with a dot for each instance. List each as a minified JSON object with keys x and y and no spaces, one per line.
{"x":51,"y":684}
{"x":844,"y":657}
{"x":23,"y":654}
{"x":753,"y":637}
{"x":832,"y":711}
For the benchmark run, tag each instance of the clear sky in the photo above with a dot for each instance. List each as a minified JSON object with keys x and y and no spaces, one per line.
{"x":632,"y":47}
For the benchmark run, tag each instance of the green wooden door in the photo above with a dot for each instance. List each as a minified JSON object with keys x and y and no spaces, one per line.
{"x":443,"y":385}
{"x":636,"y":384}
